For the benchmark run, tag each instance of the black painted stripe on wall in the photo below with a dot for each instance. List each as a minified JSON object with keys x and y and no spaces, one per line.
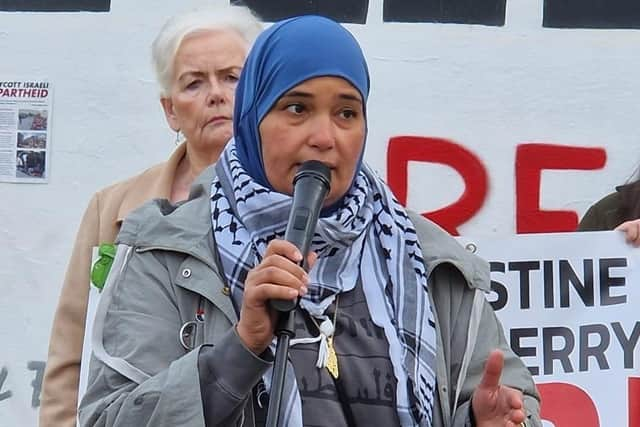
{"x":351,"y":11}
{"x":606,"y":14}
{"x":55,"y":5}
{"x":484,"y":12}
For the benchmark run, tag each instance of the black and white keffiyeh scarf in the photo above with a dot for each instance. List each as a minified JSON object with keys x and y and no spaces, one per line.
{"x":369,"y":237}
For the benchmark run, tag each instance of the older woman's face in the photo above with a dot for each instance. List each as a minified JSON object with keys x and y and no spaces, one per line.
{"x":207,"y":66}
{"x":320,"y":119}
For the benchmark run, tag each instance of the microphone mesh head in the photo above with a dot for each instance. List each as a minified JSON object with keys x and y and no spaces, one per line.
{"x":315,"y":169}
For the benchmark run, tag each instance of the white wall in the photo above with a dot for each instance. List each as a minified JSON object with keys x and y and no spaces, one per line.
{"x":487,"y":88}
{"x":106,"y":123}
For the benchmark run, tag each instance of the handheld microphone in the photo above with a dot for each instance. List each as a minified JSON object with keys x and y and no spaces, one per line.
{"x":311,"y":185}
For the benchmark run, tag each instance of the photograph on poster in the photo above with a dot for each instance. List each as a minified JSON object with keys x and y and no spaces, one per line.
{"x":32,"y":140}
{"x":32,"y":120}
{"x":30,"y":164}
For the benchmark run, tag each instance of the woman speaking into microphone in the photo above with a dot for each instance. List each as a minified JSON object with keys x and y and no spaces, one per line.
{"x":392,"y":325}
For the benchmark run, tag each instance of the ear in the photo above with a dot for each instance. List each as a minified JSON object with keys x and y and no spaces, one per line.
{"x":169,"y":113}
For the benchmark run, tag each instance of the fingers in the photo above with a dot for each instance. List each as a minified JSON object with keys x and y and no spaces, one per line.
{"x":311,"y":260}
{"x":278,"y":270}
{"x":631,"y":230}
{"x":514,"y":398}
{"x":515,"y":401}
{"x":269,"y":291}
{"x":290,"y":251}
{"x":516,"y":417}
{"x":492,"y":370}
{"x":496,"y":404}
{"x":279,"y":267}
{"x":283,"y":248}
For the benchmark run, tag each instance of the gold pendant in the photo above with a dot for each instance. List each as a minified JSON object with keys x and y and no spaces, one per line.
{"x":332,"y":359}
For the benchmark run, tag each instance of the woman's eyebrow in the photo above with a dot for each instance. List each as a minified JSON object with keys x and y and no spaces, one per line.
{"x":302,"y":94}
{"x":297,"y":93}
{"x":350,"y":97}
{"x":190,"y":73}
{"x":230,"y":68}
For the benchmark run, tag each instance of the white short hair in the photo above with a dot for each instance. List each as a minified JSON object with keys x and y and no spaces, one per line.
{"x":221,"y":17}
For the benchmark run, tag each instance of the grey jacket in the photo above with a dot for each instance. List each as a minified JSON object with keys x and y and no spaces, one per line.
{"x":147,"y":335}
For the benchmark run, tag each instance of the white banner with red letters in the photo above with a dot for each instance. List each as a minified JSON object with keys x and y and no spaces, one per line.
{"x":570,"y":305}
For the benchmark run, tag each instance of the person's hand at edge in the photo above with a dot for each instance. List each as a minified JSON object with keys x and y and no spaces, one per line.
{"x":494,"y":404}
{"x":631,"y":231}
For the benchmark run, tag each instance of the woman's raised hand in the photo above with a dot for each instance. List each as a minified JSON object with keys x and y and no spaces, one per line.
{"x":278,"y":276}
{"x":493,"y":404}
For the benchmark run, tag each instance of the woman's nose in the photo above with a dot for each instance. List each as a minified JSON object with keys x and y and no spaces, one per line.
{"x":216,"y":93}
{"x":322,"y":133}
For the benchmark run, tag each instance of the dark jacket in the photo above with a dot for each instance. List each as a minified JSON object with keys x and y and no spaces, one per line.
{"x":612,"y":210}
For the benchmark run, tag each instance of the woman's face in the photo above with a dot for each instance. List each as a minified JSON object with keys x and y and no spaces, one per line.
{"x":320,"y":119}
{"x":207,"y":66}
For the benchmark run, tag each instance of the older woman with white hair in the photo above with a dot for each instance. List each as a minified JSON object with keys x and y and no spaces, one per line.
{"x":197,"y":57}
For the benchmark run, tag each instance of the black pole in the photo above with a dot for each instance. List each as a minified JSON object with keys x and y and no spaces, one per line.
{"x":284,"y":332}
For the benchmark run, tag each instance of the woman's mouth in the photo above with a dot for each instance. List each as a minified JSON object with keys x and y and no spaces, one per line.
{"x":327,"y":164}
{"x":215,"y":120}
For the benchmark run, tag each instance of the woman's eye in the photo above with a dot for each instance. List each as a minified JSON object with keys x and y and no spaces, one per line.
{"x":232,"y":78}
{"x":295,"y":108}
{"x":348,"y":114}
{"x":193,"y":84}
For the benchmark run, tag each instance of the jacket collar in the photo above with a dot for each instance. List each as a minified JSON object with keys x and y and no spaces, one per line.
{"x":157,"y":187}
{"x":184,"y":227}
{"x":438,"y":247}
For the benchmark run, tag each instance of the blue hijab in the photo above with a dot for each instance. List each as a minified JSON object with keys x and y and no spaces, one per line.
{"x":284,"y":56}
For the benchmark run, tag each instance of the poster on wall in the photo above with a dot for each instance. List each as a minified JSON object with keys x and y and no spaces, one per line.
{"x":25,"y":130}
